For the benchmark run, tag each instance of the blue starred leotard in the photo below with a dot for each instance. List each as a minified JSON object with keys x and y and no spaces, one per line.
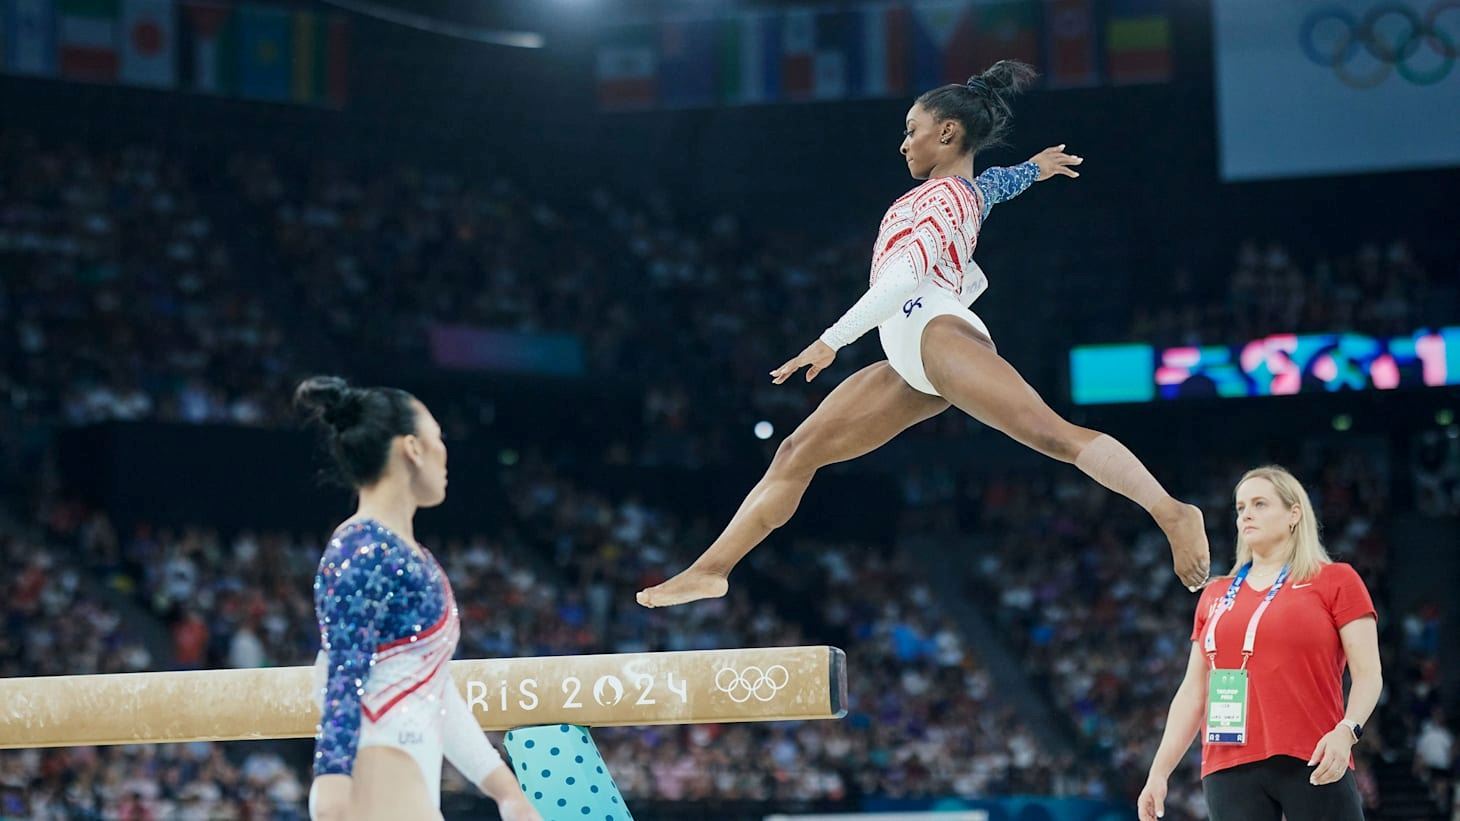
{"x":377,"y":599}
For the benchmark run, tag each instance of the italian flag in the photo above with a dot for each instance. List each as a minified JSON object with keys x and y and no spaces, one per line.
{"x":87,"y":39}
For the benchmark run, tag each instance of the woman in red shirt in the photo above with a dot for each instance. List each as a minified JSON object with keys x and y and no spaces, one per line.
{"x":1265,"y":679}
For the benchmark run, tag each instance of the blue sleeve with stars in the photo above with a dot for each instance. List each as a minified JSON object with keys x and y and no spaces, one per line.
{"x":1000,"y":184}
{"x":349,"y":600}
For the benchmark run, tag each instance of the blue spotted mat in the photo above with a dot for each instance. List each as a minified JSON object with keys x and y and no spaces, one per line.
{"x":563,"y":774}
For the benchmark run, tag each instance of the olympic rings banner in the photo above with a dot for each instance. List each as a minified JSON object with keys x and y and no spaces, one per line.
{"x":1277,"y":365}
{"x":1310,"y":87}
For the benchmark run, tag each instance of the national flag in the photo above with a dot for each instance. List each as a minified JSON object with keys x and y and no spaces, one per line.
{"x":798,"y":53}
{"x":750,"y":53}
{"x":320,"y":50}
{"x":1070,"y":43}
{"x":628,"y":67}
{"x":337,"y":65}
{"x":942,"y":43}
{"x":149,"y":43}
{"x":1138,"y":42}
{"x":30,"y":38}
{"x":265,"y":53}
{"x":1003,"y":31}
{"x":86,"y":39}
{"x":884,"y":65}
{"x":209,"y":38}
{"x":688,"y":62}
{"x":837,"y":65}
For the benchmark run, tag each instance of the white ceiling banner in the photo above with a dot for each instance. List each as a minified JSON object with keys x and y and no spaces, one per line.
{"x":1309,"y":88}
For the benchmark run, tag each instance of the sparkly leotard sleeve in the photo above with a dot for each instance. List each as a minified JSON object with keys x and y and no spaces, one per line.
{"x":1001,"y":184}
{"x":387,"y":625}
{"x":921,"y":227}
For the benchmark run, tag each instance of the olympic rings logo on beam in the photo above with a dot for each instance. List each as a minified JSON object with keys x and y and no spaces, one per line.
{"x":1392,"y":34}
{"x":752,"y":682}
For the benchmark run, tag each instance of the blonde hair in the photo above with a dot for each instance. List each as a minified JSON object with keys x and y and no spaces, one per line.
{"x":1305,"y":551}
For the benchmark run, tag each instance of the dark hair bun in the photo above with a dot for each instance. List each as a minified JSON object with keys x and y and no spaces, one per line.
{"x":1005,"y":78}
{"x":329,"y":399}
{"x":358,"y":424}
{"x":981,"y":104}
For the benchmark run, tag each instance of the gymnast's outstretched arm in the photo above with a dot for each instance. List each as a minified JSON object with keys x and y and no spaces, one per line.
{"x":1000,"y":184}
{"x":882,"y":300}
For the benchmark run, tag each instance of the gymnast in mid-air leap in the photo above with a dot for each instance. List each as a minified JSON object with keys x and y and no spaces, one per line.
{"x":938,"y":351}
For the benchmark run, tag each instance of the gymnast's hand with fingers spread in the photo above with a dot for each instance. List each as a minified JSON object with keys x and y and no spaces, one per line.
{"x":1054,"y":160}
{"x":817,"y":356}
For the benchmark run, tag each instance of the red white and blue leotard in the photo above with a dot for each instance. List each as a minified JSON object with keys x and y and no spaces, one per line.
{"x":388,"y":628}
{"x":927,"y":237}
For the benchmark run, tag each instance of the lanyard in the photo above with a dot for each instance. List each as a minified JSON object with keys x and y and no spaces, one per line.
{"x":1210,"y":641}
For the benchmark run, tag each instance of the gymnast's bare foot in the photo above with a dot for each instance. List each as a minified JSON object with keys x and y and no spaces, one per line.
{"x":1186,"y":531}
{"x":690,"y":585}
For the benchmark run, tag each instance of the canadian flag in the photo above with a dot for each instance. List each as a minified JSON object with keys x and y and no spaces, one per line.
{"x":149,"y":43}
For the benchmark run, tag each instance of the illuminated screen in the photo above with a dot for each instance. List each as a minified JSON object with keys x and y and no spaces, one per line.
{"x":461,"y":347}
{"x":1276,"y":365}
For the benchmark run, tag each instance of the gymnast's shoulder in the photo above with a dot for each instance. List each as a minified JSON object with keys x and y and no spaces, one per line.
{"x":362,"y":537}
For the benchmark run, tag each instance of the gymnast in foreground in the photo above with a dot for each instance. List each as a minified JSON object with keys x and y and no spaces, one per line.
{"x":388,"y":624}
{"x":939,"y":352}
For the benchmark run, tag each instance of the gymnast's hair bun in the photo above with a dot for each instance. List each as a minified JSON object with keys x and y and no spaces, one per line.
{"x":359,"y":424}
{"x":330,"y":400}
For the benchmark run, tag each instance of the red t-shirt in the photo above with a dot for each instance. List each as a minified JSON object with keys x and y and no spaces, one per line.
{"x":1295,"y":675}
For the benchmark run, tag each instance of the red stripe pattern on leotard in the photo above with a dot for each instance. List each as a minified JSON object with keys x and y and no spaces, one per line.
{"x":936,"y":225}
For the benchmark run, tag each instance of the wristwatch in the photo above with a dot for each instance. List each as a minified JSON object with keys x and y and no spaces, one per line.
{"x":1354,"y":727}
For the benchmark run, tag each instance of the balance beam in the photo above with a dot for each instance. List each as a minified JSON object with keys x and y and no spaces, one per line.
{"x":610,"y":690}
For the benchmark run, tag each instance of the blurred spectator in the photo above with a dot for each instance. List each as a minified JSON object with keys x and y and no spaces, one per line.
{"x":1378,"y":289}
{"x":123,"y":301}
{"x":1435,"y":757}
